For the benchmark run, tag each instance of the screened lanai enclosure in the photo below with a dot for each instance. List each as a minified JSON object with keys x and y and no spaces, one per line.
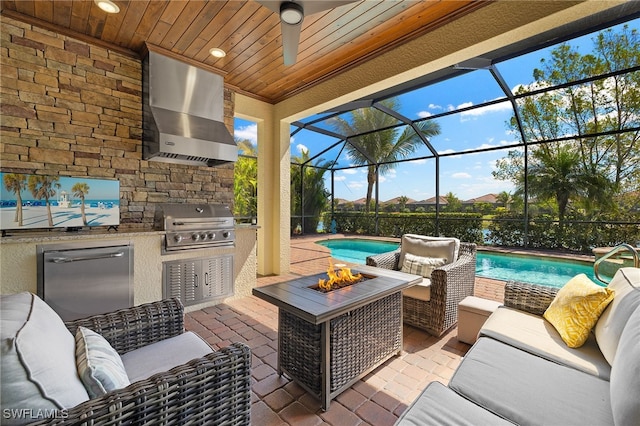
{"x":535,"y":145}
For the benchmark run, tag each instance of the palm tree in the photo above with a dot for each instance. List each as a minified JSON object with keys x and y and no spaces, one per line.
{"x":16,"y":183}
{"x":383,"y":148}
{"x":504,"y":198}
{"x":315,"y":195}
{"x":44,"y":187}
{"x":79,"y":190}
{"x":245,"y":181}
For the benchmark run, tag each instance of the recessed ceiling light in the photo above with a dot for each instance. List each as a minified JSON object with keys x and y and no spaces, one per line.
{"x":107,"y":5}
{"x":217,"y":52}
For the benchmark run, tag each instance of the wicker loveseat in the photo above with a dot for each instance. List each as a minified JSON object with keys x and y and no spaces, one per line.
{"x":433,"y":305}
{"x":176,"y":378}
{"x":521,"y":371}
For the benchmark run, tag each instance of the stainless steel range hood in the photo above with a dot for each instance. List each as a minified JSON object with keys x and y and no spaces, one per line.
{"x":183,"y":114}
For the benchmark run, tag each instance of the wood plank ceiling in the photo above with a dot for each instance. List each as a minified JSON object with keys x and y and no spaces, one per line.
{"x":331,"y":41}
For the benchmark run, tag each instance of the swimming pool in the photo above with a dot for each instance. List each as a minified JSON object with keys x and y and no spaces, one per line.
{"x":548,"y":271}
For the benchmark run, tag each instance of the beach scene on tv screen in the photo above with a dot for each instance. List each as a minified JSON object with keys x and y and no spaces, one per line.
{"x":40,"y":201}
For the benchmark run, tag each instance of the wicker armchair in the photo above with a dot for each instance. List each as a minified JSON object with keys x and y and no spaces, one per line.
{"x":449,"y":285}
{"x":212,"y":390}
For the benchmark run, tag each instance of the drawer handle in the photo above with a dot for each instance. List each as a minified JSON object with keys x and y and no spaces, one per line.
{"x":81,"y":258}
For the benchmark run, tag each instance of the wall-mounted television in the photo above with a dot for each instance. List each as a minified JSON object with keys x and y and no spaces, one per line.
{"x":30,"y":201}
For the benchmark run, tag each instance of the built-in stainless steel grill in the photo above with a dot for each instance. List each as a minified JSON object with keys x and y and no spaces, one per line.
{"x":193,"y":226}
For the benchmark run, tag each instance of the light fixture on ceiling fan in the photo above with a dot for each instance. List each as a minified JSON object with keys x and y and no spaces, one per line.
{"x":291,"y":16}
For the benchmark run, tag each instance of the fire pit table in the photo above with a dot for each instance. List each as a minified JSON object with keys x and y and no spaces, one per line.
{"x":328,"y":341}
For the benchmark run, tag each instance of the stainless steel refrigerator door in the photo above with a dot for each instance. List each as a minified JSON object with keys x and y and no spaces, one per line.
{"x":86,"y":281}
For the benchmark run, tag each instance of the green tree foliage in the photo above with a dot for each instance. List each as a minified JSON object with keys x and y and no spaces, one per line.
{"x":384,"y":147}
{"x":16,"y":183}
{"x":245,"y":183}
{"x":310,"y":177}
{"x":585,"y":173}
{"x":44,"y":187}
{"x":80,"y":190}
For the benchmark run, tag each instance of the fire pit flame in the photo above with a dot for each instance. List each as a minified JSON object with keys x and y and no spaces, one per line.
{"x":338,"y":278}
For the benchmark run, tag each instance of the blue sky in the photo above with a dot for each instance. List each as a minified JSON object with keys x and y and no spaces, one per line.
{"x":99,"y":189}
{"x":467,"y":176}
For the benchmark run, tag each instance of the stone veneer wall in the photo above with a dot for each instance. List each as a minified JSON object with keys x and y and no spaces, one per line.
{"x":71,"y":108}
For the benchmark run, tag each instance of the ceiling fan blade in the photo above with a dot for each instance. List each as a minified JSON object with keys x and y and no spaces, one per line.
{"x":290,"y":41}
{"x":273,"y":6}
{"x":314,"y":6}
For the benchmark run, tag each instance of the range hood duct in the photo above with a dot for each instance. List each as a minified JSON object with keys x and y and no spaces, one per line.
{"x":183,"y":114}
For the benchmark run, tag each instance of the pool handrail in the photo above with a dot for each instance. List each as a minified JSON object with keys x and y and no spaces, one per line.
{"x":615,"y":250}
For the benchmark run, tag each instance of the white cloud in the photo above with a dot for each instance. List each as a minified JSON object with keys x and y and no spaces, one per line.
{"x":340,"y":178}
{"x":465,"y":105}
{"x":249,"y":133}
{"x":350,"y":171}
{"x":499,"y":107}
{"x":301,"y":148}
{"x":423,"y":114}
{"x":461,"y":175}
{"x":434,"y":106}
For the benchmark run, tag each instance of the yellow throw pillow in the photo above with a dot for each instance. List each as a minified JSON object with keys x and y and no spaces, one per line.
{"x":576,"y":309}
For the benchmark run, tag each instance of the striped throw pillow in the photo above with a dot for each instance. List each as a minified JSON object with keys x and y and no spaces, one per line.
{"x":99,"y":365}
{"x":419,"y":265}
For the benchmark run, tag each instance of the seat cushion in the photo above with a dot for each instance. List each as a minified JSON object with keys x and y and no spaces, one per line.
{"x":425,"y":246}
{"x":612,"y":321}
{"x":438,"y":405}
{"x":164,"y":355}
{"x":420,"y":291}
{"x":99,"y":365}
{"x":527,"y":389}
{"x":38,"y":370}
{"x":576,"y":308}
{"x":625,"y":374}
{"x":534,"y":334}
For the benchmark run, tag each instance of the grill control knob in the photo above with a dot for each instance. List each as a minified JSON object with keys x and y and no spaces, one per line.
{"x":195,"y":237}
{"x":203,"y":236}
{"x":211,"y":235}
{"x":226,"y":234}
{"x":177,"y":238}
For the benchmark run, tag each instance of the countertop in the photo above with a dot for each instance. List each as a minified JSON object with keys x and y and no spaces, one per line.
{"x":86,"y":234}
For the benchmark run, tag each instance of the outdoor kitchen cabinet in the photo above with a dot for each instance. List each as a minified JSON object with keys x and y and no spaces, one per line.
{"x":198,"y":280}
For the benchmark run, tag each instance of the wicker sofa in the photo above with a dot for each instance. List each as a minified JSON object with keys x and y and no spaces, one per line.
{"x":175,"y":377}
{"x":521,"y":371}
{"x":433,"y":305}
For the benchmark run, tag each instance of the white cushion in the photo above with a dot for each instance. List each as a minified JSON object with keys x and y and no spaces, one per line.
{"x":38,"y":358}
{"x":421,"y":291}
{"x":612,"y":321}
{"x":425,"y":246}
{"x":164,"y":355}
{"x":625,"y":375}
{"x":99,"y":365}
{"x":532,"y":333}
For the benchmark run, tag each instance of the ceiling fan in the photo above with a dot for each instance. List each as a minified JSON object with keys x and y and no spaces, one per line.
{"x":292,"y":14}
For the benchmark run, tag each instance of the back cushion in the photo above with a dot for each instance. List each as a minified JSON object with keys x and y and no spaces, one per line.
{"x":612,"y":321}
{"x":625,"y":374}
{"x":38,"y":361}
{"x":425,"y":246}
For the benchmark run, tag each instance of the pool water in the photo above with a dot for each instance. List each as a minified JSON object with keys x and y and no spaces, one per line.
{"x":531,"y":269}
{"x":356,"y":250}
{"x":499,"y":266}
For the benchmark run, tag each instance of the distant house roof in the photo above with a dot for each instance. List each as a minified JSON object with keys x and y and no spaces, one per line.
{"x":432,"y":200}
{"x":397,"y":201}
{"x":486,"y":198}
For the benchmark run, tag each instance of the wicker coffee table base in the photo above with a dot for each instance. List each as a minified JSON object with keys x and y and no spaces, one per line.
{"x":327,"y":358}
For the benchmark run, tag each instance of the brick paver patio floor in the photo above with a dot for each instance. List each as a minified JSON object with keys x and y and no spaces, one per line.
{"x":377,"y":399}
